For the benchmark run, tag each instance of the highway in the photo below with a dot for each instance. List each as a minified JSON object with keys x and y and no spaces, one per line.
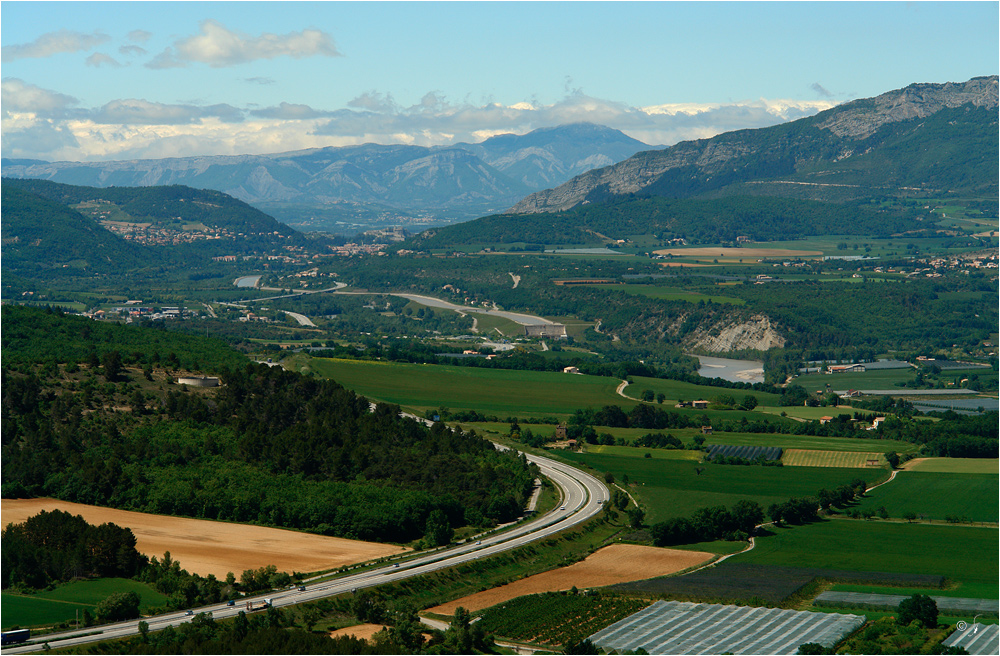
{"x":583,"y":497}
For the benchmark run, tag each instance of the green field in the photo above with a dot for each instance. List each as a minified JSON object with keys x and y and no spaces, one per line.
{"x":966,"y":555}
{"x":810,"y":442}
{"x":956,"y":465}
{"x":875,"y":379}
{"x":803,"y":458}
{"x":676,"y":390}
{"x":938,"y":495}
{"x":61,"y":604}
{"x":672,"y":488}
{"x":493,"y":391}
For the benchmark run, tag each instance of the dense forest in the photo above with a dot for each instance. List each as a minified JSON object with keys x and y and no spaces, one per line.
{"x":708,"y":221}
{"x":57,"y":546}
{"x":157,"y":204}
{"x":43,"y":238}
{"x":269,"y":446}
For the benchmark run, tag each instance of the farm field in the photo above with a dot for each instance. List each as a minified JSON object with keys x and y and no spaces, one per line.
{"x":493,"y":391}
{"x":954,"y":465}
{"x":804,"y":458}
{"x":812,"y":442}
{"x":61,"y":604}
{"x":938,"y":495}
{"x":803,"y":412}
{"x":616,"y":563}
{"x":205,"y":547}
{"x":557,"y":618}
{"x":744,"y":253}
{"x":874,"y":379}
{"x":965,"y":555}
{"x":672,"y":488}
{"x":676,"y":390}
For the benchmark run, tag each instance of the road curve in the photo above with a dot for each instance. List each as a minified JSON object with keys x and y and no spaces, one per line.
{"x":583,"y":497}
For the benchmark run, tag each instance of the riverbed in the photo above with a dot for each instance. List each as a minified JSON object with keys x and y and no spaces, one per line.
{"x":735,"y":371}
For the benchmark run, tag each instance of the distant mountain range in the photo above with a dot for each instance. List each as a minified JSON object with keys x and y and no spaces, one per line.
{"x":326,"y":184}
{"x":932,"y":139}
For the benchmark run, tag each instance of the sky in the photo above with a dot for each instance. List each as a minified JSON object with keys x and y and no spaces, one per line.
{"x":92,"y":81}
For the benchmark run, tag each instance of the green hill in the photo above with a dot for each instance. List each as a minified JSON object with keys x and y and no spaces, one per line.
{"x":41,"y":236}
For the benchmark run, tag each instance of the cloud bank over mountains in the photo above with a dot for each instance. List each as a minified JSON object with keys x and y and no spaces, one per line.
{"x":43,"y":123}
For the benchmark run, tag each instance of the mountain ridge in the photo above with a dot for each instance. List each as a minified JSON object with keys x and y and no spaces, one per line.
{"x":796,"y":148}
{"x":462,"y":180}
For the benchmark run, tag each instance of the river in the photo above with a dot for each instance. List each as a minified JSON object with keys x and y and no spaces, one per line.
{"x":735,"y":371}
{"x":247,"y":281}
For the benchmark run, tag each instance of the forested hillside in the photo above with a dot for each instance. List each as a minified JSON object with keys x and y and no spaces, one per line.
{"x":269,"y":446}
{"x":157,"y":204}
{"x":709,"y":221}
{"x":46,"y":238}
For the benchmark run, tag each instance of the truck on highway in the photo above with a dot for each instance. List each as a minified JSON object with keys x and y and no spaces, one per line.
{"x":258,"y":605}
{"x":15,"y":637}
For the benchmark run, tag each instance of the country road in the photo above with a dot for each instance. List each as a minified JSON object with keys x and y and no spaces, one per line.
{"x":583,"y":496}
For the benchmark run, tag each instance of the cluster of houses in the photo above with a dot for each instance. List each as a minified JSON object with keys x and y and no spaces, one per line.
{"x":132,"y":311}
{"x":147,"y":233}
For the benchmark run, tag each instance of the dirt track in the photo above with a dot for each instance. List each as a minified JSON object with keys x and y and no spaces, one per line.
{"x":205,"y":547}
{"x":617,"y":563}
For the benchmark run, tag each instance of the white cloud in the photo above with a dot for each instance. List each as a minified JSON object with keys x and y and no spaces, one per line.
{"x":53,"y":43}
{"x":132,"y":51}
{"x":99,"y":59}
{"x":136,"y":128}
{"x":218,"y":46}
{"x":141,"y":112}
{"x":19,"y":97}
{"x":139,"y":36}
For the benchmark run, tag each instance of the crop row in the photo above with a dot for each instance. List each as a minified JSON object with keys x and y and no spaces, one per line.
{"x":762,"y":584}
{"x":557,"y":618}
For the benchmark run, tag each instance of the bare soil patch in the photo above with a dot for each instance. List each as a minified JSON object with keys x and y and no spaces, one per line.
{"x":736,"y":252}
{"x":360,"y":631}
{"x":617,"y":563}
{"x":206,"y":547}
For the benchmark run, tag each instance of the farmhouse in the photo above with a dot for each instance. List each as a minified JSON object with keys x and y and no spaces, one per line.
{"x":571,"y":370}
{"x":706,"y":430}
{"x":825,"y":420}
{"x":844,"y":368}
{"x":699,"y":405}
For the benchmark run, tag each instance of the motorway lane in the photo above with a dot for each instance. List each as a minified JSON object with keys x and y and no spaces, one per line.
{"x":583,"y":497}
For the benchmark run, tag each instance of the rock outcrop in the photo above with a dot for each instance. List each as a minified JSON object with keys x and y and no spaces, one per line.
{"x":736,"y":334}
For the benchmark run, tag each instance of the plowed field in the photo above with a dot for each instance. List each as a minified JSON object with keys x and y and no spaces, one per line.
{"x":205,"y":547}
{"x":617,"y":563}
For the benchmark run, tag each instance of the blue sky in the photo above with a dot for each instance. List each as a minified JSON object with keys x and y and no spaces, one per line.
{"x":123,"y":80}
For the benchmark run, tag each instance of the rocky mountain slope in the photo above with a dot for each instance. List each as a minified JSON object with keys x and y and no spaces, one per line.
{"x":938,"y":138}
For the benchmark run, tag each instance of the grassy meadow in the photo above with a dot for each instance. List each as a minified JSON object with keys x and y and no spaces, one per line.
{"x":937,"y":495}
{"x":671,"y":487}
{"x":965,"y":555}
{"x":493,"y":391}
{"x":62,"y":603}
